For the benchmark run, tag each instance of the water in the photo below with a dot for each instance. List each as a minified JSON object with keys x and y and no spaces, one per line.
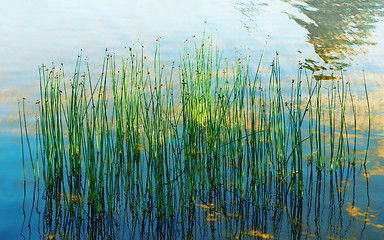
{"x":333,"y":34}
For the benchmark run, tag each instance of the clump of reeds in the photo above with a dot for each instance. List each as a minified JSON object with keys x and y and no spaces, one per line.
{"x":153,"y":137}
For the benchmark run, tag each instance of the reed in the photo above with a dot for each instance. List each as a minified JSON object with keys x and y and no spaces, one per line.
{"x":152,"y":138}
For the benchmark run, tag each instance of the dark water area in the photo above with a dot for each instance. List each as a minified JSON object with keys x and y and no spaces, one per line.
{"x":327,"y":38}
{"x":332,"y":207}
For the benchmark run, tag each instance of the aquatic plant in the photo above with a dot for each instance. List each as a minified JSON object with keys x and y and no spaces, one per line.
{"x":157,"y":140}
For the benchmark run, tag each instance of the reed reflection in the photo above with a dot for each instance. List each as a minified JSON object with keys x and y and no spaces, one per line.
{"x":220,"y":212}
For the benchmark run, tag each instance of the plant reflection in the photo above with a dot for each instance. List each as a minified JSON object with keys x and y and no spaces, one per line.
{"x":336,"y":29}
{"x":249,"y":10}
{"x":221,"y":212}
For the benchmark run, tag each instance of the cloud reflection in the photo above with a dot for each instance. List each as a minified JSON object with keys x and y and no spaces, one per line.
{"x":367,"y":216}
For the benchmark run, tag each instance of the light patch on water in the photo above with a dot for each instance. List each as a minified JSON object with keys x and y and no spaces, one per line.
{"x":71,"y":197}
{"x":354,"y":211}
{"x":235,"y":215}
{"x":257,"y":233}
{"x":369,"y":217}
{"x":211,"y":217}
{"x":379,"y":150}
{"x":206,"y":207}
{"x":376,"y":170}
{"x":334,"y":238}
{"x":52,"y":236}
{"x":8,"y":95}
{"x":309,"y":234}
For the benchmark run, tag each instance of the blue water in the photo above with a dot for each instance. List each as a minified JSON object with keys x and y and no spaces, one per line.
{"x":36,"y":32}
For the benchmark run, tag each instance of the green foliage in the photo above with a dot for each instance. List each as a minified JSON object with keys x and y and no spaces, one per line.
{"x":153,"y":138}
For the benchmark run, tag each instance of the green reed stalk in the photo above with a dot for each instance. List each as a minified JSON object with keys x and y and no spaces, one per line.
{"x":22,"y":141}
{"x":355,"y":125}
{"x":369,"y":119}
{"x":28,"y":143}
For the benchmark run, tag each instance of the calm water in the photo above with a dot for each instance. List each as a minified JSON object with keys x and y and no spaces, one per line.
{"x":333,"y":34}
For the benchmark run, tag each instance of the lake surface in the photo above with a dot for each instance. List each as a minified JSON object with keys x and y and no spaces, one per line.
{"x":326,"y":36}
